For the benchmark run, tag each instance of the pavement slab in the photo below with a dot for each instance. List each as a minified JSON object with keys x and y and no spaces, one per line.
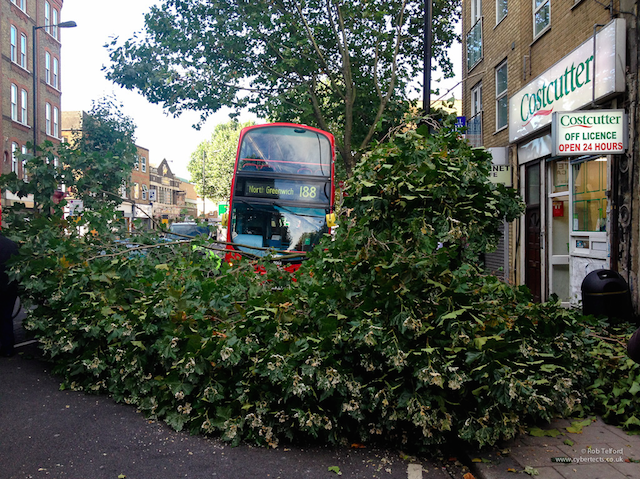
{"x":599,"y":451}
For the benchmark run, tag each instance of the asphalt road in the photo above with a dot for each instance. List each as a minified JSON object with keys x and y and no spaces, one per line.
{"x":48,"y":433}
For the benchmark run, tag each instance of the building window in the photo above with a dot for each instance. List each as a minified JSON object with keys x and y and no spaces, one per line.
{"x":47,"y":68}
{"x":144,"y":164}
{"x":501,"y":10}
{"x":590,"y":195}
{"x":502,"y":102}
{"x":474,"y":37}
{"x":56,"y":83}
{"x":541,"y":16}
{"x":476,"y":99}
{"x":14,"y":102}
{"x":54,"y":22}
{"x":123,"y":189}
{"x":56,"y":121}
{"x":145,"y":189}
{"x":14,"y":158}
{"x":474,"y":123}
{"x":23,"y":106}
{"x":476,"y":10}
{"x":136,"y":164}
{"x":47,"y":116}
{"x":47,"y":17}
{"x":25,"y":173}
{"x":14,"y":44}
{"x":136,"y":191}
{"x":21,"y":4}
{"x":23,"y":51}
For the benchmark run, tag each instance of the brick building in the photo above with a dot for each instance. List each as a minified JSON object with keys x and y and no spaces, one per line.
{"x":21,"y":23}
{"x":164,"y":186}
{"x":543,"y":83}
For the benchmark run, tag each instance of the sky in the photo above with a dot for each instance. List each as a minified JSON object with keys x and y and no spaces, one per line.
{"x":83,"y":81}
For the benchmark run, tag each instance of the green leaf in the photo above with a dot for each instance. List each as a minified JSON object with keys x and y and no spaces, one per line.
{"x":538,"y":432}
{"x":635,"y":388}
{"x":138,"y":344}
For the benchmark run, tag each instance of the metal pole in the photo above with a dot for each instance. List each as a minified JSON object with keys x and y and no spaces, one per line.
{"x":428,"y":14}
{"x":34,"y":94}
{"x":203,"y":185}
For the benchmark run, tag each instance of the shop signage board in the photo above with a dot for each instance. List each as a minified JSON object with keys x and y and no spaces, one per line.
{"x":568,"y":85}
{"x":501,"y":174}
{"x":576,"y":133}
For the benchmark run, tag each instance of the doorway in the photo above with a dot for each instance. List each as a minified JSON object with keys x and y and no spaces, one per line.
{"x":533,"y":232}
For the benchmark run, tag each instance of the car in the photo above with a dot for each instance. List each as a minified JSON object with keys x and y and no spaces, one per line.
{"x":187,"y":229}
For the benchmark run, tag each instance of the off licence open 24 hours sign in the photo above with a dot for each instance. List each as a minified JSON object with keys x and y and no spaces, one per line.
{"x":589,"y":132}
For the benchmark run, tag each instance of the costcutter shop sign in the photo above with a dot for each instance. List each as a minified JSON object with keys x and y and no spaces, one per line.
{"x":569,"y":84}
{"x":589,"y":132}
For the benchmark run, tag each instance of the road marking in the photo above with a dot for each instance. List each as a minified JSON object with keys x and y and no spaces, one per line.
{"x":414,"y":471}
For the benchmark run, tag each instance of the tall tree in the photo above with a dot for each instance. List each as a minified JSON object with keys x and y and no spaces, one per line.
{"x":215,"y":159}
{"x":105,"y":151}
{"x":343,"y":66}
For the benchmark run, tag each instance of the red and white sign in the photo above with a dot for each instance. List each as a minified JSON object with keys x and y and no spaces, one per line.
{"x":593,"y":132}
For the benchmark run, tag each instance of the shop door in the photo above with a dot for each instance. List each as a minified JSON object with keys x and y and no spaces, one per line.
{"x":558,"y":228}
{"x":533,"y":229}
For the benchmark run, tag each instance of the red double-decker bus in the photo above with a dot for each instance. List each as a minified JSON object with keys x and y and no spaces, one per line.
{"x":282,"y":190}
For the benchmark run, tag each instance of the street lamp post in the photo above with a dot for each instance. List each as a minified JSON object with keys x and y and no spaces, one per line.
{"x":203,"y":186}
{"x":428,"y":35}
{"x":69,"y":24}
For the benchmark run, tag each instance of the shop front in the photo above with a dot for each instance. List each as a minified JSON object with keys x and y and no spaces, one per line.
{"x":568,"y":133}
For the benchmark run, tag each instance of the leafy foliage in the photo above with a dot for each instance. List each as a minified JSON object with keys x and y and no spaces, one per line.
{"x":102,"y":153}
{"x":218,"y":155}
{"x":341,"y":66}
{"x":616,"y":384}
{"x":391,"y":331}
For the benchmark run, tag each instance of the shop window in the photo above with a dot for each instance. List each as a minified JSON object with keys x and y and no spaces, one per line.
{"x":560,"y":176}
{"x":589,"y":195}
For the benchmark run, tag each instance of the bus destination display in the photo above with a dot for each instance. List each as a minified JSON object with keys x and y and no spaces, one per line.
{"x":298,"y":190}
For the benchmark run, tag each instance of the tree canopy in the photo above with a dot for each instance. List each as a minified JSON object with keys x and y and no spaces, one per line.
{"x":345,"y":67}
{"x":218,"y":155}
{"x":105,"y":151}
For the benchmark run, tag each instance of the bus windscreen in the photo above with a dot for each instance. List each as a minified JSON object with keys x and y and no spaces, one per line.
{"x":274,"y":226}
